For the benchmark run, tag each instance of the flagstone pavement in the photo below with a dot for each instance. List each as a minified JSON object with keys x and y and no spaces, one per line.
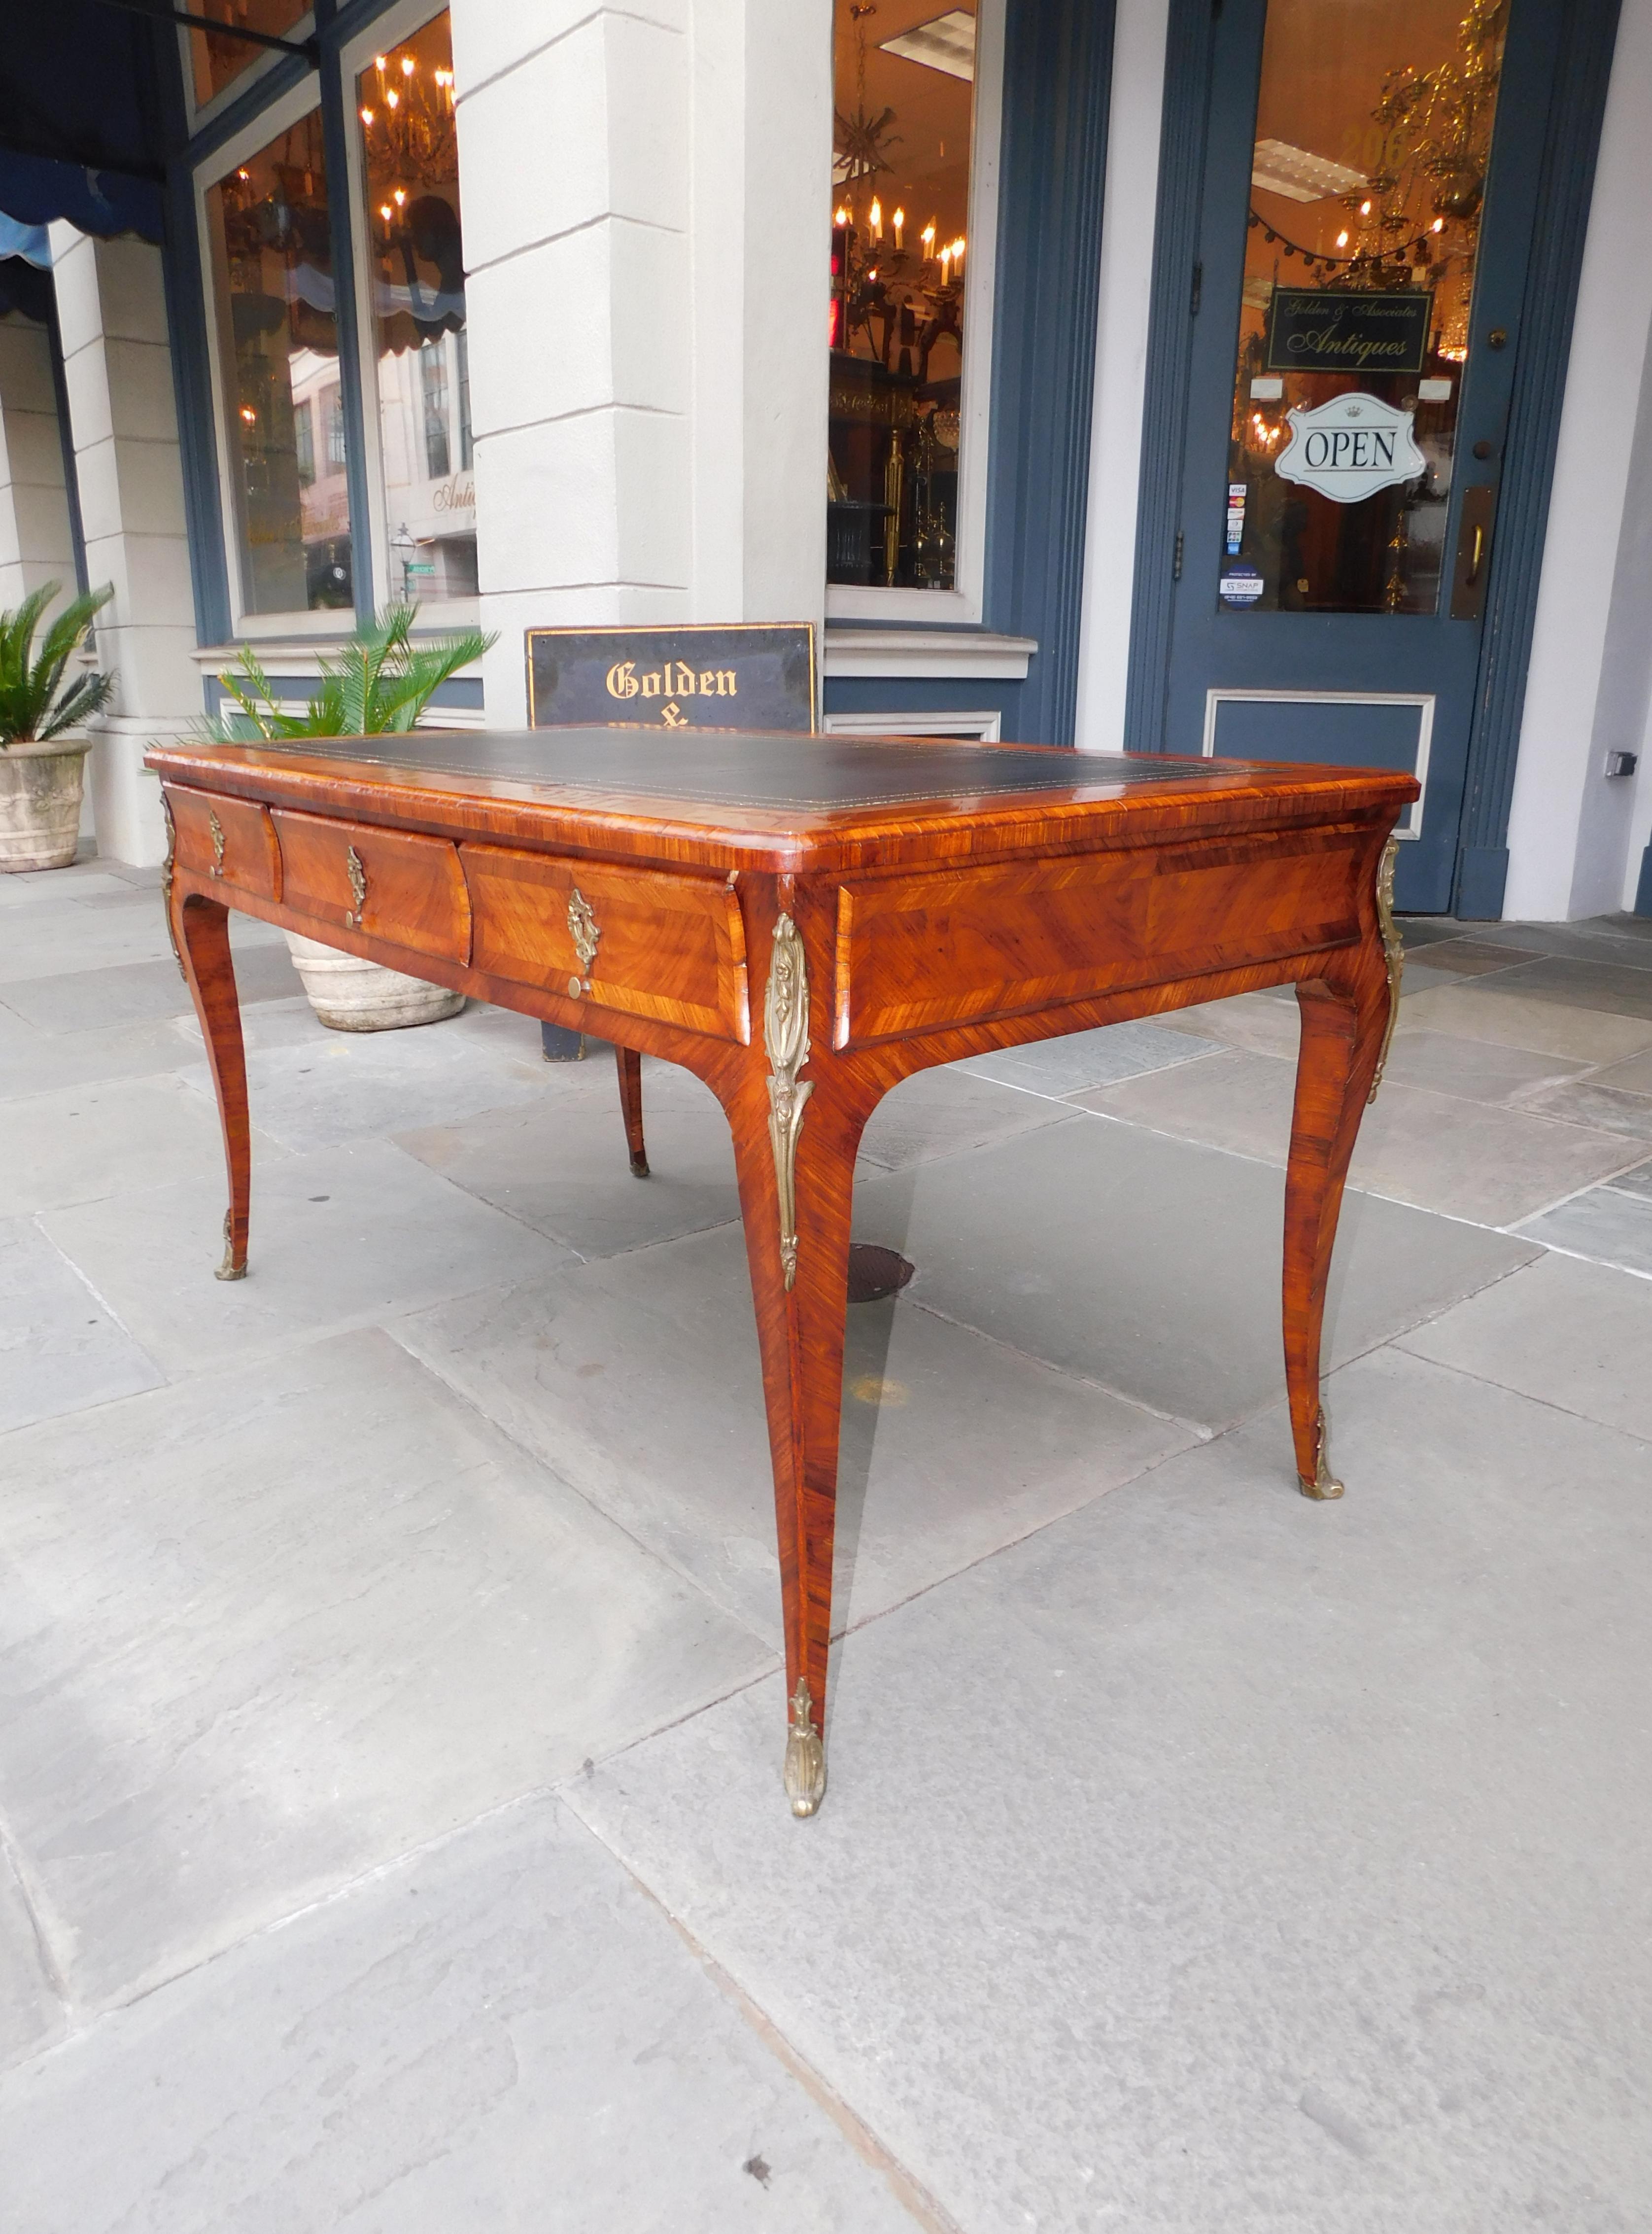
{"x":391,"y":1834}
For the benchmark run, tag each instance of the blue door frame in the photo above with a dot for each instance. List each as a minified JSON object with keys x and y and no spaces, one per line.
{"x":1547,"y":138}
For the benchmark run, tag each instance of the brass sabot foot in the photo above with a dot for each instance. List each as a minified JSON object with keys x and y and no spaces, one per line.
{"x":1322,"y":1485}
{"x":639,"y":1166}
{"x":229,"y":1270}
{"x":805,"y":1772}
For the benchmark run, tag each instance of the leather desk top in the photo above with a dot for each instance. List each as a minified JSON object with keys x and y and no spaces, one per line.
{"x":783,"y":801}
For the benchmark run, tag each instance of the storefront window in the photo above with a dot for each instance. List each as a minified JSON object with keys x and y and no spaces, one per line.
{"x":405,"y":101}
{"x":905,"y":98}
{"x":1372,"y":137}
{"x":217,"y":60}
{"x":273,"y":283}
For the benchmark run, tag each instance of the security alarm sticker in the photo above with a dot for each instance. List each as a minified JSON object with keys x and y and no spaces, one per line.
{"x":1240,"y":586}
{"x":1350,"y":447}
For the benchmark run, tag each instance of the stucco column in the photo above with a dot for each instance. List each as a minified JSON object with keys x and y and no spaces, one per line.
{"x":35,"y":546}
{"x":646,"y":302}
{"x":111,"y":311}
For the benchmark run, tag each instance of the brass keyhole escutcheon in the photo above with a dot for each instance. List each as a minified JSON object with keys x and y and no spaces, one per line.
{"x":358,"y":875}
{"x":585,"y":931}
{"x":217,"y":829}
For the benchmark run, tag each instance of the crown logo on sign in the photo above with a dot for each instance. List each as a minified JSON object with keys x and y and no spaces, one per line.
{"x":1354,"y":411}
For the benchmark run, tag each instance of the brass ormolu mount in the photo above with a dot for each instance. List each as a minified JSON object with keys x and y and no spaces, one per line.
{"x":1323,"y":1486}
{"x":805,"y":1772}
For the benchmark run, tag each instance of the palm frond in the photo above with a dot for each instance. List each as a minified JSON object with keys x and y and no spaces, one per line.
{"x":378,"y":681}
{"x":31,"y":703}
{"x":86,"y":696}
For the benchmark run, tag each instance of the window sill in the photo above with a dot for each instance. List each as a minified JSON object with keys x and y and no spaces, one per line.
{"x":925,"y":654}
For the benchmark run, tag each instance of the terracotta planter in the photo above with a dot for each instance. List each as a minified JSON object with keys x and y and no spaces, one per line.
{"x":353,"y":996}
{"x":40,"y":802}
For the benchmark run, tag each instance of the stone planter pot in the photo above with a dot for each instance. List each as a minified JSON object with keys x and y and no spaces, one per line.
{"x":352,"y":995}
{"x":40,"y":802}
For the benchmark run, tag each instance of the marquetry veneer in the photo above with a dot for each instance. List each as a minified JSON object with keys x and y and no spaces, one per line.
{"x":803,"y":921}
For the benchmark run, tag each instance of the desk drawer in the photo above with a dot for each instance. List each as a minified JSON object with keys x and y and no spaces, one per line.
{"x":228,"y":841}
{"x":668,"y":947}
{"x":922,"y":953}
{"x":389,"y":884}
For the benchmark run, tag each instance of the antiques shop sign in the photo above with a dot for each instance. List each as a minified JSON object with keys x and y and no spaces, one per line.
{"x":1364,"y":330}
{"x":1350,"y":447}
{"x":672,"y":678}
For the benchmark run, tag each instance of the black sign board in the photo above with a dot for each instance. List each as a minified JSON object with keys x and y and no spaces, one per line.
{"x":1341,"y":330}
{"x":741,"y":677}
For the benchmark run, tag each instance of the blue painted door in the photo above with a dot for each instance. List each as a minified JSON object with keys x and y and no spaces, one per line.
{"x":1369,"y":200}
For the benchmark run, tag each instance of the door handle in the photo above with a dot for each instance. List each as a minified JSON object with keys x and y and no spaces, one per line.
{"x":1473,"y":551}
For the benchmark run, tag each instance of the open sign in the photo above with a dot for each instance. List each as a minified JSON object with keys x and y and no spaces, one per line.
{"x":1350,"y":447}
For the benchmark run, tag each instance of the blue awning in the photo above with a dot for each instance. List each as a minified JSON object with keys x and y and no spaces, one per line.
{"x":82,"y":120}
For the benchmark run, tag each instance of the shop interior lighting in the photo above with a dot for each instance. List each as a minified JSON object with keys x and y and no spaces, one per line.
{"x":1279,"y":168}
{"x":945,"y":42}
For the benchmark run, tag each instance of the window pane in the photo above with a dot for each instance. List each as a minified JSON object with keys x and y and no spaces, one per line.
{"x":411,"y":168}
{"x":1373,"y":132}
{"x":272,"y":284}
{"x":904,"y":95}
{"x":218,"y":60}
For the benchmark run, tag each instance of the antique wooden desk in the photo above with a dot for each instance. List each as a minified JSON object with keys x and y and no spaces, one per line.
{"x":803,"y":921}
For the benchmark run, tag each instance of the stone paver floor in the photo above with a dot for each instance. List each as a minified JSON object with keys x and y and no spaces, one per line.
{"x":390,"y":1827}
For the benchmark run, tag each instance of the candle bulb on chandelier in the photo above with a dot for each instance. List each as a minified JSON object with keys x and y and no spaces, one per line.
{"x":840,"y":217}
{"x":957,"y":254}
{"x":946,"y":258}
{"x":899,"y":222}
{"x":928,"y":239}
{"x":875,"y":214}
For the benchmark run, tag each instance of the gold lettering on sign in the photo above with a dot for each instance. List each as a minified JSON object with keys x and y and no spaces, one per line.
{"x":785,"y":1041}
{"x":676,"y":679}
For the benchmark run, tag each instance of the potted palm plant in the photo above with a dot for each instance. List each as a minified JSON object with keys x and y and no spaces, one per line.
{"x":43,"y":768}
{"x":379,"y":683}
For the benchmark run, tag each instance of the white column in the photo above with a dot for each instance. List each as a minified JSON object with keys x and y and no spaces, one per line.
{"x":1573,"y":847}
{"x":111,"y":311}
{"x":36,"y":546}
{"x":645,"y":202}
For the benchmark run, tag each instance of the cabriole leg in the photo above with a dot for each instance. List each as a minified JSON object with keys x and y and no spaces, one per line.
{"x":203,"y":930}
{"x":795,"y":1140}
{"x":631,"y":1102}
{"x":1343,"y":1027}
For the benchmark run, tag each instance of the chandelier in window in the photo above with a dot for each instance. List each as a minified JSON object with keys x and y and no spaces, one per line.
{"x":897,"y":297}
{"x":409,"y":130}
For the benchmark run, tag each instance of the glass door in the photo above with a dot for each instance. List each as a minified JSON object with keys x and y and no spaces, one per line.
{"x":1365,"y":231}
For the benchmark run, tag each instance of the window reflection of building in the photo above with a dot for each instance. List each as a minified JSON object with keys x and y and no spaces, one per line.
{"x":405,"y":105}
{"x":216,"y":58}
{"x":905,"y":100}
{"x":272,"y":260}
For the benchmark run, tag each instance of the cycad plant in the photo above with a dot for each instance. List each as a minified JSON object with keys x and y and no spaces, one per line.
{"x":33,"y":706}
{"x":379,"y":682}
